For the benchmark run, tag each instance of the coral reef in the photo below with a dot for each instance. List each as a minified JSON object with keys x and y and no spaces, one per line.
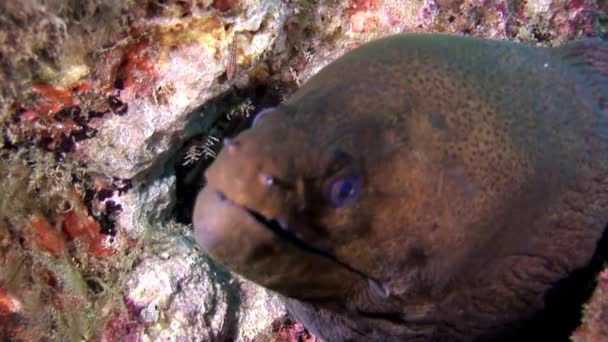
{"x":111,"y":110}
{"x":90,"y":116}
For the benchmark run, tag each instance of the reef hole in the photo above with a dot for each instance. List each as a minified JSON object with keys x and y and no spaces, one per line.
{"x":227,"y":116}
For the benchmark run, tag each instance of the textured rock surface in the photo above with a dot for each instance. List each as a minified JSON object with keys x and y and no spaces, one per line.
{"x":186,"y":57}
{"x":594,"y":327}
{"x":109,"y":112}
{"x":177,"y":293}
{"x":98,"y":99}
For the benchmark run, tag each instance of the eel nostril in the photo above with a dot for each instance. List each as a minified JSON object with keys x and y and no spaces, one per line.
{"x":230,"y":144}
{"x":221,"y":196}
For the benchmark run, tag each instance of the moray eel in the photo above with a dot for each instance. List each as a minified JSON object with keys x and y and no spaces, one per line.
{"x":421,"y":187}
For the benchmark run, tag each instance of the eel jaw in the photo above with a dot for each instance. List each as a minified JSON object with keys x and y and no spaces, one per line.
{"x":283,"y":231}
{"x":211,"y":234}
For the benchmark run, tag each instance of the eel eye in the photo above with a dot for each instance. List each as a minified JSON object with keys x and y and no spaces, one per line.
{"x":260,"y":116}
{"x":343,"y":191}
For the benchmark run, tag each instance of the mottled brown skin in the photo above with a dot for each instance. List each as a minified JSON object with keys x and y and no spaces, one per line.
{"x":484,"y":167}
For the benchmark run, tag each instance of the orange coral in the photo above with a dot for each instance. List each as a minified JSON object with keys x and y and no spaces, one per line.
{"x":136,"y":74}
{"x":78,"y":224}
{"x":51,"y":119}
{"x":81,"y":87}
{"x":7,"y":303}
{"x":10,"y":319}
{"x":45,"y":236}
{"x":53,"y":99}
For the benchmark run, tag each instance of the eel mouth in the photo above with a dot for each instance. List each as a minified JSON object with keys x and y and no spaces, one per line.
{"x":283,"y":231}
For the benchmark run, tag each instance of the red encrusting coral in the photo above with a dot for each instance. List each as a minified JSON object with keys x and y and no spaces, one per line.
{"x":45,"y":236}
{"x":121,"y":328}
{"x":576,"y":16}
{"x":287,"y":329}
{"x":52,"y":99}
{"x":135,"y":76}
{"x":11,"y":328}
{"x":78,"y":224}
{"x":7,"y":304}
{"x":54,"y":119}
{"x":575,"y":4}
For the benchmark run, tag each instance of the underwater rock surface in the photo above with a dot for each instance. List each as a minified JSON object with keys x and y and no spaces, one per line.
{"x":197,"y":297}
{"x":109,"y":112}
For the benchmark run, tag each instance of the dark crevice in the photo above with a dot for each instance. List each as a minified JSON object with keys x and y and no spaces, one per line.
{"x":219,"y":125}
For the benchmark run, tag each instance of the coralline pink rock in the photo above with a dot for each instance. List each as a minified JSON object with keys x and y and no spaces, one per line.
{"x":594,"y":327}
{"x":177,"y":293}
{"x":175,"y":67}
